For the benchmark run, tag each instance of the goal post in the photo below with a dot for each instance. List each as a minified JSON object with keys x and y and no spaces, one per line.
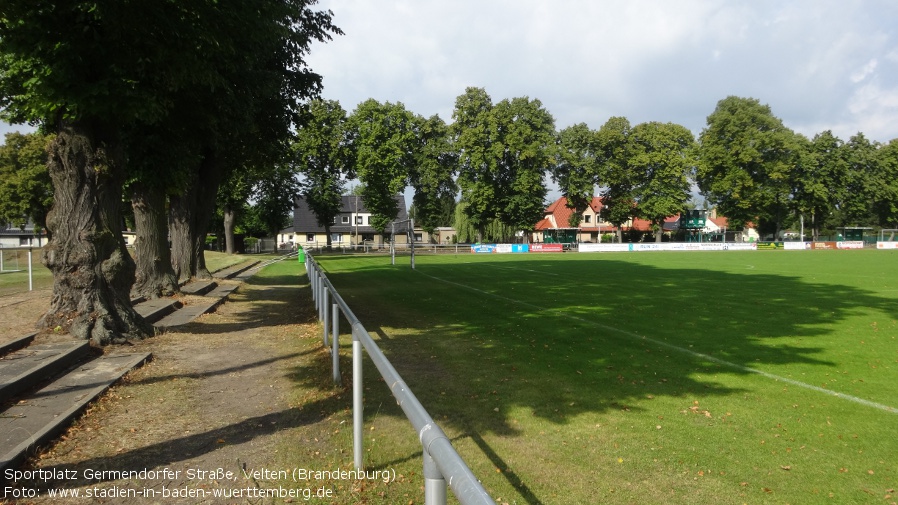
{"x":410,"y":233}
{"x":888,"y":239}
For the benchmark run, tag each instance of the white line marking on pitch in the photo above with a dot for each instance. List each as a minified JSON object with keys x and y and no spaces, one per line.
{"x":719,"y":361}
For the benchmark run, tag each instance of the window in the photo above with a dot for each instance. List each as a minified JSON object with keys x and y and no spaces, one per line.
{"x":587,"y":218}
{"x":345,"y":220}
{"x":310,"y":237}
{"x":359,"y":219}
{"x":337,"y":237}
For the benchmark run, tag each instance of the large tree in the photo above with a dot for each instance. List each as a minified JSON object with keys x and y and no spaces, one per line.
{"x":86,"y":70}
{"x":432,"y":174}
{"x":817,"y":179}
{"x":745,"y":157}
{"x":613,"y":145}
{"x":505,"y":151}
{"x":662,"y":156}
{"x":858,"y":185}
{"x":385,"y":145}
{"x":474,"y":137}
{"x":25,"y":188}
{"x":576,"y":169}
{"x":885,"y":191}
{"x":90,"y":71}
{"x":322,"y":154}
{"x":527,"y":142}
{"x":254,"y":115}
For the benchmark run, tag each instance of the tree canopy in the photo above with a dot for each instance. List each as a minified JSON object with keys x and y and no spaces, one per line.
{"x":25,"y":188}
{"x":102,"y":76}
{"x":746,"y":155}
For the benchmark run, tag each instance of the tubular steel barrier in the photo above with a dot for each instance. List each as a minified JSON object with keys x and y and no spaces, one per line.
{"x":441,"y":461}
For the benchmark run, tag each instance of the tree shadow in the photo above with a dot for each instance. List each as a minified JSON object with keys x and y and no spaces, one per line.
{"x":598,"y":333}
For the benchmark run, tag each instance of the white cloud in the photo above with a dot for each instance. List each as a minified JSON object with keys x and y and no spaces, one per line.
{"x":864,"y":71}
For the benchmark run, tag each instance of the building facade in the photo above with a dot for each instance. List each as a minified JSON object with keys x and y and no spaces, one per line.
{"x":351,"y":227}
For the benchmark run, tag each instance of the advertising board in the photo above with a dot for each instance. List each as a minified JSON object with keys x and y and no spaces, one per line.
{"x":850,"y":244}
{"x":669,"y":246}
{"x":604,"y":247}
{"x":483,"y":248}
{"x":537,"y":248}
{"x":511,"y":248}
{"x":887,"y":245}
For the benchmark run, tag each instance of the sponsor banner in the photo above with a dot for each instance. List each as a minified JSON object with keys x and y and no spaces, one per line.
{"x":604,"y":247}
{"x":823,"y":245}
{"x":670,"y":246}
{"x":796,"y":246}
{"x":483,"y":248}
{"x":850,"y":244}
{"x":766,"y":246}
{"x":887,"y":245}
{"x":741,"y":246}
{"x":511,"y":248}
{"x":535,"y":248}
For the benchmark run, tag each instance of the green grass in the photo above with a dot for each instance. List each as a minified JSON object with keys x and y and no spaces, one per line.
{"x":14,"y":279}
{"x":644,"y":377}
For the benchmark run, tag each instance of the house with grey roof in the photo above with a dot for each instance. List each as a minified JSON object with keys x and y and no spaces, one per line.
{"x":23,"y":235}
{"x":352,"y":226}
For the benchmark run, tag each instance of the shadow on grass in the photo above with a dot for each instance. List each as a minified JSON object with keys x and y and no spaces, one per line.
{"x":562,"y":338}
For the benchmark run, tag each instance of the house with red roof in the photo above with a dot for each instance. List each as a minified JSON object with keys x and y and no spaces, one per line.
{"x":555,"y":225}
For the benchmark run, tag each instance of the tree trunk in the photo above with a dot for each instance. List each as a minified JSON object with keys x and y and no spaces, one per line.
{"x":182,"y":258}
{"x":92,"y":270}
{"x":230,"y":220}
{"x":190,"y":214}
{"x":658,"y":234}
{"x":155,"y":276}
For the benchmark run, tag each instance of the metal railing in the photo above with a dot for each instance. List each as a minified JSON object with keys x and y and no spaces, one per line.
{"x":441,"y":461}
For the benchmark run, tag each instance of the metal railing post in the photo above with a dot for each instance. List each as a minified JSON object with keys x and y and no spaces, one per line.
{"x":412,"y":221}
{"x":357,"y":414}
{"x":434,"y":483}
{"x":30,"y":272}
{"x":325,"y":319}
{"x":322,"y":289}
{"x":313,"y":277}
{"x":335,"y":341}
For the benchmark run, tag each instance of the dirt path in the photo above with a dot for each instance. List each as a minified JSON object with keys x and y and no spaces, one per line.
{"x":214,"y":410}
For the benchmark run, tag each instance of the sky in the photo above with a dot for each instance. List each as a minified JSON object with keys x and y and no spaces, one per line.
{"x":819,"y":64}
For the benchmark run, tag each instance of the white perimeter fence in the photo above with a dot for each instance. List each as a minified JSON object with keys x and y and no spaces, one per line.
{"x":17,"y":259}
{"x":441,"y":461}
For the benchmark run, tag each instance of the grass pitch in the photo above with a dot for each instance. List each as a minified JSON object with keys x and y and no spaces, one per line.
{"x":730,"y":377}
